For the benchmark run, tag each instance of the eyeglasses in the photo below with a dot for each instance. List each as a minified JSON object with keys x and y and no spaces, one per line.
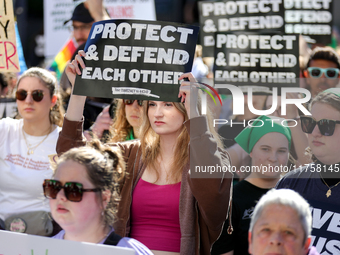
{"x":330,"y":73}
{"x":80,"y":28}
{"x":326,"y":126}
{"x":73,"y":190}
{"x":37,"y":95}
{"x":130,"y":102}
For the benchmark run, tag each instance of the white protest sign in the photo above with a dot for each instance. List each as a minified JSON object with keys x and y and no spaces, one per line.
{"x":58,"y":11}
{"x":15,"y":243}
{"x":55,"y":13}
{"x":8,"y":107}
{"x":9,"y":60}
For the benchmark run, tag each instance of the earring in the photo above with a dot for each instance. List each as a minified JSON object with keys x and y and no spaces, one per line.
{"x":103,"y":213}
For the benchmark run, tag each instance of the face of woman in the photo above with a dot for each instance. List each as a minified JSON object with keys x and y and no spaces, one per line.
{"x":272,"y":149}
{"x":76,"y":217}
{"x":29,"y":109}
{"x":325,"y":148}
{"x":165,"y":118}
{"x":133,"y":113}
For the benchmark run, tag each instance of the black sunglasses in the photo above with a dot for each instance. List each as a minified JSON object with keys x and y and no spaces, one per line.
{"x":37,"y":95}
{"x":326,"y":126}
{"x":130,"y":102}
{"x":73,"y":190}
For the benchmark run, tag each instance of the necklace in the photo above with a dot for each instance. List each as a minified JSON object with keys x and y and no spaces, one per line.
{"x":30,"y":150}
{"x":329,"y":192}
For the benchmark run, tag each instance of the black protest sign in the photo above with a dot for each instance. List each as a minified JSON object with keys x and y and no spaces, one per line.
{"x":136,"y":59}
{"x":261,"y":60}
{"x":8,"y":107}
{"x":311,"y":18}
{"x":229,"y":16}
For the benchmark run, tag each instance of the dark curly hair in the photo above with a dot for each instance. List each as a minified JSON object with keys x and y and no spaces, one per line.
{"x":105,"y":168}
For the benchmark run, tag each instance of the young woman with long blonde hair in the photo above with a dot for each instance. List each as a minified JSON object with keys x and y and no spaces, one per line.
{"x":163,"y":205}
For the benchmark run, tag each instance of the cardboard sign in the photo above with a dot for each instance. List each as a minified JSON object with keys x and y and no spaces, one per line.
{"x":236,"y":16}
{"x":136,"y":59}
{"x":261,"y":60}
{"x":24,"y":244}
{"x":9,"y":61}
{"x":8,"y":107}
{"x":58,"y":11}
{"x":311,"y":18}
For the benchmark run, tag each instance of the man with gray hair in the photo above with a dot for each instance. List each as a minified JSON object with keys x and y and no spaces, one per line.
{"x":281,"y":224}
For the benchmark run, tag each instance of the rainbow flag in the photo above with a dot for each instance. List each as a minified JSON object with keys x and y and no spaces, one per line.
{"x":59,"y":63}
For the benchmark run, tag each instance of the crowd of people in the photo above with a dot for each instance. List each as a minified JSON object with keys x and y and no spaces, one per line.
{"x":121,"y":174}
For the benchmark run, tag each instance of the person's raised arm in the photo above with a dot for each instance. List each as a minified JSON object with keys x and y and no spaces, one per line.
{"x":71,"y":134}
{"x":76,"y":104}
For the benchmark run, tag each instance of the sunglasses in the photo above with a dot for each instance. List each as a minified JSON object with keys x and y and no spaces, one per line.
{"x":326,"y":127}
{"x":37,"y":95}
{"x":330,"y":73}
{"x":73,"y":190}
{"x":130,"y":102}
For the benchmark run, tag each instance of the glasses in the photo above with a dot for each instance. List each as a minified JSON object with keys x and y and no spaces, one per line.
{"x":37,"y":95}
{"x":330,"y":73}
{"x":73,"y":190}
{"x":130,"y":102}
{"x":80,"y":28}
{"x":326,"y":126}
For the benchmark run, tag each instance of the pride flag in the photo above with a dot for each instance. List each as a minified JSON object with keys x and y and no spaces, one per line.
{"x":59,"y":63}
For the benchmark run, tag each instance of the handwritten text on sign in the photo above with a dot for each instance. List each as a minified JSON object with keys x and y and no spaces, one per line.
{"x":9,"y":61}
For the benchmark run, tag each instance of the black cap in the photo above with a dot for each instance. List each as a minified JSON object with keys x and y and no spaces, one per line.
{"x":81,"y":14}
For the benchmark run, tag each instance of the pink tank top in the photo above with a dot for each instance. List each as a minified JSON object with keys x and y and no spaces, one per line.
{"x":155,"y":216}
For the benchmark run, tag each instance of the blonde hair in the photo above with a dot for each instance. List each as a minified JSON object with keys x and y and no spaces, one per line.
{"x":57,"y":111}
{"x":327,"y":98}
{"x":150,"y":142}
{"x":105,"y":169}
{"x":121,"y":127}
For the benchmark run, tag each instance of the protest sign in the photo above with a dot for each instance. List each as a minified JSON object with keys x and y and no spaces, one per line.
{"x":24,"y":244}
{"x":136,"y":59}
{"x":261,"y":60}
{"x":225,"y":16}
{"x":131,"y":9}
{"x":9,"y":61}
{"x":56,"y":12}
{"x":311,"y":18}
{"x":8,"y":107}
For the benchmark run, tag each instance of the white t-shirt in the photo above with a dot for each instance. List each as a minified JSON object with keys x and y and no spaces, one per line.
{"x":22,"y":175}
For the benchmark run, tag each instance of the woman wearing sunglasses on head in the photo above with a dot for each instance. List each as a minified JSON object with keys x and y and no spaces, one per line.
{"x":25,"y":145}
{"x":161,"y":205}
{"x":319,"y":181}
{"x":83,"y":196}
{"x":124,"y":126}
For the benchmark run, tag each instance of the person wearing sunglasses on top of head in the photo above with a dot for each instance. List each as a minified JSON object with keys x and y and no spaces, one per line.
{"x":162,"y":205}
{"x":319,"y":181}
{"x":84,"y":196}
{"x":322,"y":70}
{"x":25,"y":145}
{"x":124,"y":126}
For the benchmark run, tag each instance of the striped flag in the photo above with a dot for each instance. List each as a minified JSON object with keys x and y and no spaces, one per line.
{"x":59,"y":63}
